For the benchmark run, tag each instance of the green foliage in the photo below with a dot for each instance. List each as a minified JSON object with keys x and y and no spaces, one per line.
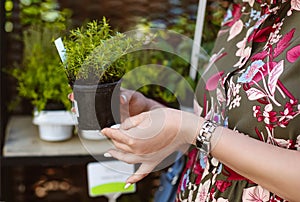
{"x":46,"y":12}
{"x":94,"y":53}
{"x":176,"y":56}
{"x":39,"y":77}
{"x":149,"y":60}
{"x":185,"y":26}
{"x":215,"y":12}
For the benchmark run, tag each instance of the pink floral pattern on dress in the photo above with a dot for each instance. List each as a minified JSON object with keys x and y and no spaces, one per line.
{"x":293,"y":54}
{"x":256,"y":194}
{"x":255,"y":90}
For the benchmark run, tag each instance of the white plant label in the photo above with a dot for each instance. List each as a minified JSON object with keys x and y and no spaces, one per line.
{"x":109,"y":177}
{"x":60,"y":48}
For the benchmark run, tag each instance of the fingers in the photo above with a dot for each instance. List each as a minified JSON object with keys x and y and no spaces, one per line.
{"x":71,"y":96}
{"x":125,"y":96}
{"x":116,"y":135}
{"x":124,"y":156}
{"x":145,"y":168}
{"x":133,"y":121}
{"x":142,"y":172}
{"x":124,"y":109}
{"x":122,"y":146}
{"x":123,"y":99}
{"x":120,"y":138}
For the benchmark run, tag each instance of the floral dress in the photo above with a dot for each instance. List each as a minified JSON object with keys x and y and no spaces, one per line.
{"x":251,"y":85}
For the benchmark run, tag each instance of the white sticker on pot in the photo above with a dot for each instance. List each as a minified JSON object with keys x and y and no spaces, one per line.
{"x":109,"y":177}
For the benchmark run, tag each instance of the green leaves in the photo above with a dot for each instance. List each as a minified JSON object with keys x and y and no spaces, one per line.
{"x":44,"y":12}
{"x":39,"y":77}
{"x":94,"y":53}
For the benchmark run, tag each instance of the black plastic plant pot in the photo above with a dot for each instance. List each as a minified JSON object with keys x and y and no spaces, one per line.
{"x":97,"y":106}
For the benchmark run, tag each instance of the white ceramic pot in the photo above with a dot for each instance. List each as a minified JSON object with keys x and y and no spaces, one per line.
{"x":55,"y":125}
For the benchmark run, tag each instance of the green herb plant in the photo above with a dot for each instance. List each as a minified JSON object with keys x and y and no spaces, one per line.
{"x":96,"y":54}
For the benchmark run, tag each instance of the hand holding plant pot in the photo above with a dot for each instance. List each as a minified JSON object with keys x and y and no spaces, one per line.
{"x":95,"y":63}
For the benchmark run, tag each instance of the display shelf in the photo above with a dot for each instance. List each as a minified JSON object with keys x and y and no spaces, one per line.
{"x":22,"y":140}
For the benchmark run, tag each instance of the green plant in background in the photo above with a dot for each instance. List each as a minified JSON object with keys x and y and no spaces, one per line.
{"x":94,"y":53}
{"x":39,"y":76}
{"x":178,"y":62}
{"x":215,"y":12}
{"x":46,"y":12}
{"x":170,"y":78}
{"x":183,"y":25}
{"x":36,"y":12}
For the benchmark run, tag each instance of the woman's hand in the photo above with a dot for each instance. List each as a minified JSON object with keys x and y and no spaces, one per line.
{"x":134,"y":103}
{"x":150,"y":137}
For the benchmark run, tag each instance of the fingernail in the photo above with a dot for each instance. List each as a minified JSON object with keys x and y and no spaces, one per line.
{"x":71,"y":97}
{"x":107,"y":155}
{"x":116,"y":126}
{"x":124,"y":99}
{"x":127,"y":185}
{"x":102,"y":131}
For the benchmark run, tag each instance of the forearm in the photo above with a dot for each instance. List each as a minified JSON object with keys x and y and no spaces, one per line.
{"x":274,"y":168}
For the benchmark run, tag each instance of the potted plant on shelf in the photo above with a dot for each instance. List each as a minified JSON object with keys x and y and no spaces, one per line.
{"x":40,"y":79}
{"x":95,"y":59}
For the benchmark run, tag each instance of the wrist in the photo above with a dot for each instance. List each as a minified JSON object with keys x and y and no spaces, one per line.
{"x":216,"y":137}
{"x":207,"y":136}
{"x":191,"y":126}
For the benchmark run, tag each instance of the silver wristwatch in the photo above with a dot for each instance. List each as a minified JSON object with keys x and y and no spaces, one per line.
{"x":203,"y":139}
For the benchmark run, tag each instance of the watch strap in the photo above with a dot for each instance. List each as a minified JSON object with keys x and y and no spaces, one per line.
{"x":203,"y":139}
